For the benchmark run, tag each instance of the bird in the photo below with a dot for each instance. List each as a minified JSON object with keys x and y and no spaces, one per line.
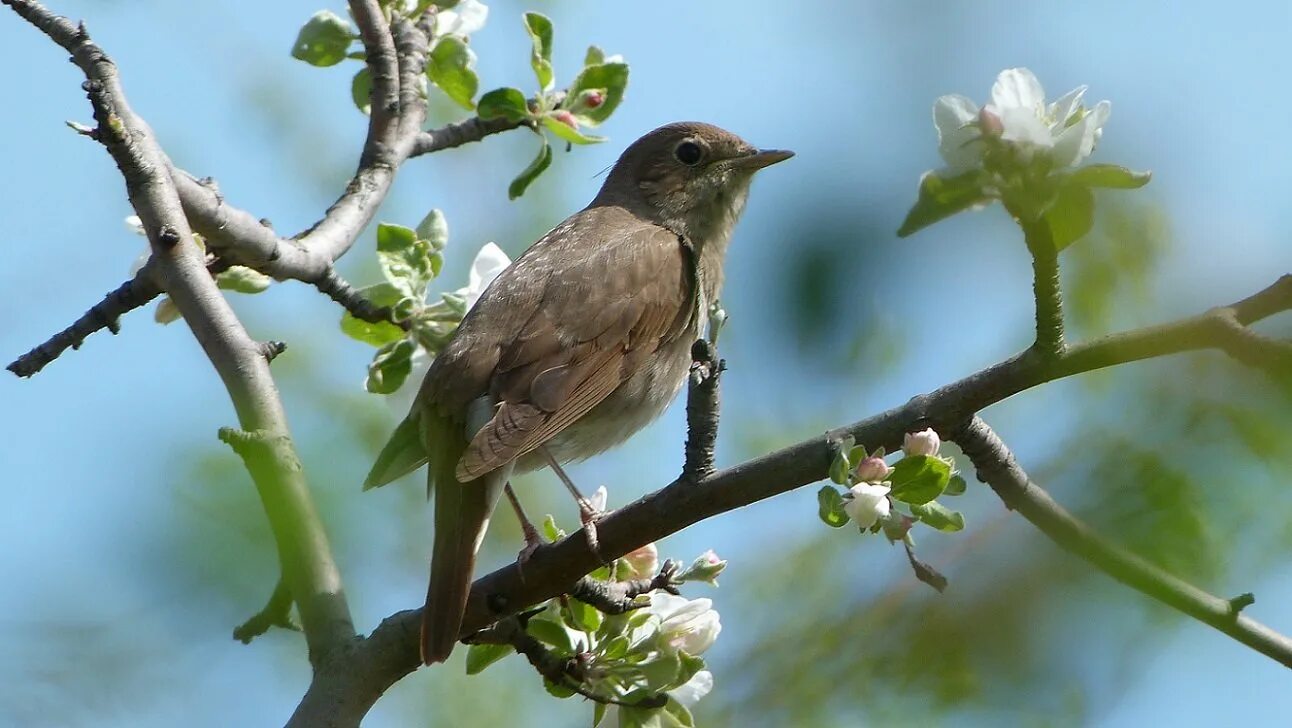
{"x":580,"y":343}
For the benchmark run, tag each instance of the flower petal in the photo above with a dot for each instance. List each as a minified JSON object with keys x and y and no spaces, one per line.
{"x":1018,"y":88}
{"x":465,"y":18}
{"x":1061,"y":110}
{"x":690,"y":692}
{"x":1024,"y":126}
{"x":1078,"y":141}
{"x":951,"y":112}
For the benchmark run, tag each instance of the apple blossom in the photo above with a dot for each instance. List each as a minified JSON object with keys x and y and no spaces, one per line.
{"x":865,"y":504}
{"x":924,"y":442}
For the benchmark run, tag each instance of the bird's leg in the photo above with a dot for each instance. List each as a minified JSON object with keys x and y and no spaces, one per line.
{"x":532,"y":539}
{"x":588,"y":515}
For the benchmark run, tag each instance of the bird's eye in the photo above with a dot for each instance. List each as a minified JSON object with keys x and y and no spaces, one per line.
{"x":688,"y":153}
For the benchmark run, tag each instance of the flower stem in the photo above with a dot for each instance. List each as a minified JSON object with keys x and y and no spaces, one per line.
{"x":1045,"y":288}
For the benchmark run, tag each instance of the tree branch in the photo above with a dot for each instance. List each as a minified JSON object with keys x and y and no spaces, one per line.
{"x":391,"y":651}
{"x":702,"y":410}
{"x":181,"y":271}
{"x":997,"y":468}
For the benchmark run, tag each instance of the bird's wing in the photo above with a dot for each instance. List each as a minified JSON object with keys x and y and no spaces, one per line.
{"x":612,"y":303}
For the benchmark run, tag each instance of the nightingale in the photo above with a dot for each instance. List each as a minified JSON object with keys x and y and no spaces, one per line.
{"x":579,"y":343}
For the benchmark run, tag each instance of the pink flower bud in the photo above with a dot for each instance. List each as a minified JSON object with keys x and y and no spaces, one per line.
{"x":925,"y":442}
{"x":593,"y":99}
{"x":566,"y":118}
{"x":989,"y":123}
{"x":643,"y":562}
{"x":872,"y":470}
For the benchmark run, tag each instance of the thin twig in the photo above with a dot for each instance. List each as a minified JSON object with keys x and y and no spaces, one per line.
{"x":277,"y":613}
{"x":618,"y":597}
{"x":997,"y":468}
{"x":702,"y":403}
{"x":1045,"y":287}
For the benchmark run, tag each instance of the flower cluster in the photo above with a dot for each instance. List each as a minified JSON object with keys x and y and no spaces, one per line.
{"x":892,"y":499}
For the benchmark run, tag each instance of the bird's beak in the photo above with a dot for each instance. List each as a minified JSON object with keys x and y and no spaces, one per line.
{"x":762,"y":158}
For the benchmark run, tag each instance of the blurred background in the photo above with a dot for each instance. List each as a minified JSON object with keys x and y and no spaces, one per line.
{"x":131,"y":541}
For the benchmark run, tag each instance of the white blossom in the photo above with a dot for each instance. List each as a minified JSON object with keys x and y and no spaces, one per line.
{"x":463,"y":19}
{"x":690,"y":625}
{"x":872,"y":470}
{"x":488,"y":263}
{"x":643,"y":561}
{"x":867,"y":503}
{"x":1065,"y":130}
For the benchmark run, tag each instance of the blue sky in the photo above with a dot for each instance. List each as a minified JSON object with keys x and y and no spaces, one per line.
{"x":93,"y":449}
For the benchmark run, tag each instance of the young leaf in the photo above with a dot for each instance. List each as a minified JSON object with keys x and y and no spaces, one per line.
{"x":609,"y":79}
{"x":1071,"y":216}
{"x":551,"y":634}
{"x":406,"y":260}
{"x":243,"y":280}
{"x":506,"y":102}
{"x":939,"y":516}
{"x":830,"y":507}
{"x":531,"y":173}
{"x":919,"y":479}
{"x":583,"y":617}
{"x":1111,"y":176}
{"x":594,"y":57}
{"x":323,"y":40}
{"x":565,"y":131}
{"x":676,"y":714}
{"x":451,"y":68}
{"x":556,"y":691}
{"x":941,"y":198}
{"x":377,"y":334}
{"x":481,"y":656}
{"x":434,"y":229}
{"x":551,"y":530}
{"x":540,"y":32}
{"x":955,"y":486}
{"x":841,"y":466}
{"x":390,"y":366}
{"x":361,"y":90}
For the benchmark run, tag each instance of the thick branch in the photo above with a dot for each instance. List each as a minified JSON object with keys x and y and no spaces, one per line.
{"x":997,"y":468}
{"x":391,"y":652}
{"x":182,"y":272}
{"x":702,"y":410}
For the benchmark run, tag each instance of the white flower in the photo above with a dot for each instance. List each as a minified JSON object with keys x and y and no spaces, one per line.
{"x":685,"y":624}
{"x":688,"y":694}
{"x":1064,"y":130}
{"x":599,"y":498}
{"x":488,"y":263}
{"x":465,"y":18}
{"x":867,"y":504}
{"x":924,"y":442}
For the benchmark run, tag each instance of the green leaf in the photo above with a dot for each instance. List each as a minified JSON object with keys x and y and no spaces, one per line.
{"x":690,"y":665}
{"x":661,"y":671}
{"x":941,"y":198}
{"x":481,"y":656}
{"x":567,"y":132}
{"x":243,"y":280}
{"x":676,"y":714}
{"x":610,"y":79}
{"x":361,"y":90}
{"x":390,"y":366}
{"x":506,"y":102}
{"x":1111,"y":176}
{"x":450,"y":68}
{"x":1071,"y":216}
{"x":531,"y":173}
{"x":598,"y":714}
{"x":830,"y":507}
{"x":550,"y":633}
{"x":434,"y":229}
{"x":583,"y":617}
{"x":550,"y":529}
{"x":919,"y":479}
{"x":939,"y":516}
{"x":594,"y":57}
{"x":407,"y":261}
{"x":955,"y":486}
{"x":540,"y":32}
{"x":323,"y":40}
{"x":558,"y":691}
{"x":841,"y":466}
{"x":377,"y":334}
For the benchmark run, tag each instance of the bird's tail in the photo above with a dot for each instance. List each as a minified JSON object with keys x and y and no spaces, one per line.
{"x":462,"y":513}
